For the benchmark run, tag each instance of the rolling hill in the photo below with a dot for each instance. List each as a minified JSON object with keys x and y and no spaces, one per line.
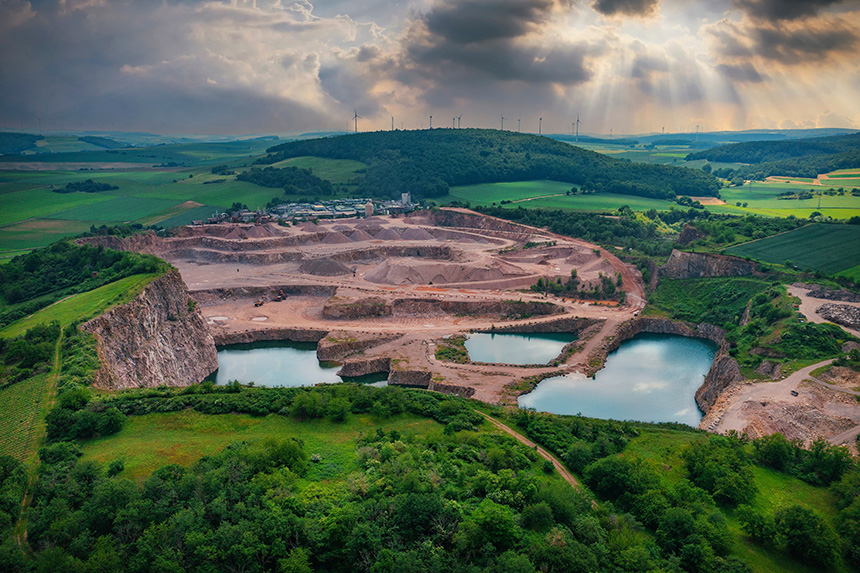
{"x":426,"y":163}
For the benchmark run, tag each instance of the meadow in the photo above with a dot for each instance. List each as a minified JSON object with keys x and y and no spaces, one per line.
{"x":548,"y":195}
{"x":83,"y":305}
{"x":148,"y":442}
{"x":831,"y":249}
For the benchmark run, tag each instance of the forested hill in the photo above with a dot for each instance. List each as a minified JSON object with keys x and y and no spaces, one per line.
{"x":796,"y":158}
{"x":428,"y":162}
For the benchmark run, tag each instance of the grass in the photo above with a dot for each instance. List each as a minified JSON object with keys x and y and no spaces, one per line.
{"x":19,"y":408}
{"x":34,"y":233}
{"x":119,"y":209}
{"x":338,"y":171}
{"x":548,"y":195}
{"x":853,"y":273}
{"x":149,"y":442}
{"x":27,"y":204}
{"x":83,"y":305}
{"x":827,"y":248}
{"x":761,"y":198}
{"x":714,"y":300}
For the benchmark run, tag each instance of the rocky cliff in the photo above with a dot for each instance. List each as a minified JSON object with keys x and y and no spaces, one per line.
{"x":159,"y":338}
{"x":683,"y":265}
{"x":248,"y":336}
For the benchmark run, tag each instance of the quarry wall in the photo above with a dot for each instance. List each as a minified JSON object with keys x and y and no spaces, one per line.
{"x":682,"y":265}
{"x":159,"y":338}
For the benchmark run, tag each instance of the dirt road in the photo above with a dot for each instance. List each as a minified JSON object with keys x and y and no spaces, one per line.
{"x":559,"y":467}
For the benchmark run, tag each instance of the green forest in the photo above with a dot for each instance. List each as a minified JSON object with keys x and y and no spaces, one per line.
{"x":795,"y":158}
{"x":427,"y":163}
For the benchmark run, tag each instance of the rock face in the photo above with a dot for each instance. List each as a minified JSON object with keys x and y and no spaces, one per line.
{"x":843,"y":314}
{"x":683,"y":265}
{"x":689,"y":234}
{"x":338,"y":344}
{"x":290,"y":334}
{"x":344,"y":308}
{"x":832,"y":294}
{"x":159,"y":338}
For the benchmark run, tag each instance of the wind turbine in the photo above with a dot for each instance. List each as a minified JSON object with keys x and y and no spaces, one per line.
{"x":610,"y":134}
{"x":518,"y":124}
{"x":663,"y":130}
{"x":453,"y":123}
{"x":355,"y":119}
{"x":697,"y":134}
{"x":458,"y":120}
{"x":392,"y":123}
{"x":503,"y":121}
{"x":431,"y":122}
{"x":578,"y":123}
{"x":540,"y":125}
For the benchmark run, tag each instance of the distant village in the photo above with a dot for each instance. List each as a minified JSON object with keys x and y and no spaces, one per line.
{"x":333,"y":209}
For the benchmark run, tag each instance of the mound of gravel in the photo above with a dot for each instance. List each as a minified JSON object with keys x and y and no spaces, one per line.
{"x":388,"y":235}
{"x":335,"y":238}
{"x":324,"y":267}
{"x":360,"y":235}
{"x":236,"y":234}
{"x":309,"y":227}
{"x":417,"y":235}
{"x":259,"y":232}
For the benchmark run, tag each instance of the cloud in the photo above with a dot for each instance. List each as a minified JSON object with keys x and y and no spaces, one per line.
{"x":466,"y":22}
{"x":813,"y":40}
{"x":626,"y":7}
{"x":744,"y":72}
{"x":787,"y":9}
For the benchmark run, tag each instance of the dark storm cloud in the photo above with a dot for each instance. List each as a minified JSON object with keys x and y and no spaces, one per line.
{"x":745,"y":72}
{"x":786,"y":43}
{"x":483,"y":20}
{"x":788,"y":9}
{"x":458,"y":43}
{"x":133,"y":65}
{"x":625,"y":7}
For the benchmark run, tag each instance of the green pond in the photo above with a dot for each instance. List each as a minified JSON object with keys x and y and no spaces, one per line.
{"x":516,"y":348}
{"x":650,"y":378}
{"x":279,"y":363}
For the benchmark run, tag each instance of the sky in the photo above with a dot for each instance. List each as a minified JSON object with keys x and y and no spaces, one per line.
{"x":278,"y":66}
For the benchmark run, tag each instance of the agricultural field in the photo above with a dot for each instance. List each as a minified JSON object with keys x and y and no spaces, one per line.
{"x":338,"y":171}
{"x":548,"y":195}
{"x":832,"y":249}
{"x":82,"y":305}
{"x":20,"y":404}
{"x":761,"y":198}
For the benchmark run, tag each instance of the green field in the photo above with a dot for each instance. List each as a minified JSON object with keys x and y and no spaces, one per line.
{"x":339,"y":171}
{"x":149,"y":442}
{"x":20,"y":404}
{"x":828,"y":248}
{"x":761,"y":198}
{"x":548,"y":195}
{"x":83,"y":305}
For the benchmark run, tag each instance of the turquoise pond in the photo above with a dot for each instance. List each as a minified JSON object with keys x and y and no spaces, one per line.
{"x":650,"y":378}
{"x":278,"y":364}
{"x":516,"y":348}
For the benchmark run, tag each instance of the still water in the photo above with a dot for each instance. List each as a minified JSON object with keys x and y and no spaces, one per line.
{"x":650,"y":378}
{"x":516,"y":348}
{"x":278,"y":363}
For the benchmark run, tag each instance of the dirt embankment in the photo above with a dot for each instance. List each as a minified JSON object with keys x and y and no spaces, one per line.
{"x":159,"y":338}
{"x":289,"y":334}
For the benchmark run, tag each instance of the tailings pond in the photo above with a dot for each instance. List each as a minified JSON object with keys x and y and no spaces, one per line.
{"x":650,"y":378}
{"x":278,"y":364}
{"x":516,"y":348}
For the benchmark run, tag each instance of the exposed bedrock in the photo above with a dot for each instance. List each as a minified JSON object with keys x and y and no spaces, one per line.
{"x":567,"y":324}
{"x":159,"y":338}
{"x":338,"y":344}
{"x":347,"y":308}
{"x":683,"y":265}
{"x":831,"y":294}
{"x":364,"y":366}
{"x":288,"y":334}
{"x":504,"y":308}
{"x":219,"y":295}
{"x":411,"y":378}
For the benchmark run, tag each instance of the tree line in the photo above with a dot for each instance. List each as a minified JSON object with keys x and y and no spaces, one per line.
{"x":427,"y":163}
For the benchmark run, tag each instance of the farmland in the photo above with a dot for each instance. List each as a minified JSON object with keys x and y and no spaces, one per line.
{"x":548,"y":195}
{"x":20,"y":404}
{"x":827,"y":248}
